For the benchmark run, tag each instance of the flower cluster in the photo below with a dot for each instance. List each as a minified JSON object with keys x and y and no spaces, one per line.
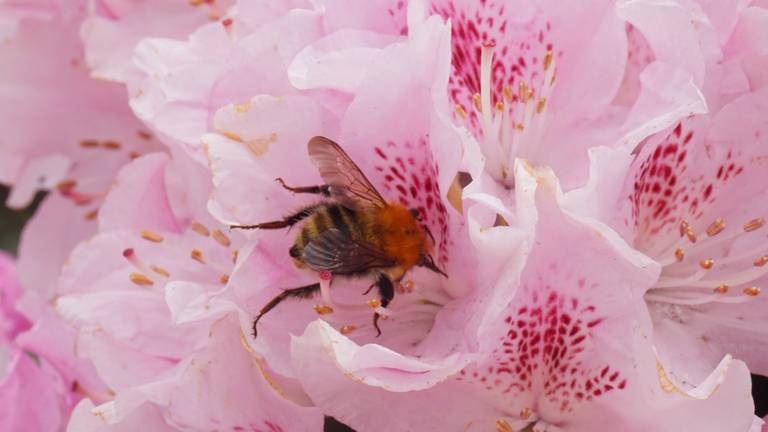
{"x":591,"y":177}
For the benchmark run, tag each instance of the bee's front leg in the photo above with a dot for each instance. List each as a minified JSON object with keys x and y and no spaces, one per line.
{"x":386,"y":294}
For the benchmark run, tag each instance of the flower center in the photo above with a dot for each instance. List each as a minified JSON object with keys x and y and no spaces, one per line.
{"x":511,"y":123}
{"x":719,"y":264}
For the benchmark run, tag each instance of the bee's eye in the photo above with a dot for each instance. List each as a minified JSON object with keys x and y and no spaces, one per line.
{"x":415,"y":213}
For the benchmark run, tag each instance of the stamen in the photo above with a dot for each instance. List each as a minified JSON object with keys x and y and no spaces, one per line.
{"x":722,"y":289}
{"x":476,"y":101}
{"x":151,"y":236}
{"x":91,"y":215}
{"x":752,"y":291}
{"x":66,"y":185}
{"x":525,"y":413}
{"x":197,"y":255}
{"x":140,"y":279}
{"x":224,"y":279}
{"x":323,"y":309}
{"x":499,"y":106}
{"x":761,"y":261}
{"x":347,"y":329}
{"x":234,"y":256}
{"x":374,"y":303}
{"x":503,"y":426}
{"x":221,"y":238}
{"x":200,"y":229}
{"x":683,"y":227}
{"x":460,"y":111}
{"x":522,"y":92}
{"x":540,"y":105}
{"x":89,"y":143}
{"x":679,"y":254}
{"x":159,"y":270}
{"x":111,"y":145}
{"x":691,"y":235}
{"x":707,"y":263}
{"x":547,"y":60}
{"x":716,"y":227}
{"x":507,"y":91}
{"x":754,"y":224}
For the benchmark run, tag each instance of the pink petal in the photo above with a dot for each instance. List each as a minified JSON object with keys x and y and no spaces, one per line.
{"x":32,"y":395}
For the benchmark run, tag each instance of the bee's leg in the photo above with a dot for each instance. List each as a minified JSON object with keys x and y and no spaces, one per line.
{"x":320,"y":189}
{"x":301,"y":292}
{"x":386,"y":294}
{"x":288,"y":221}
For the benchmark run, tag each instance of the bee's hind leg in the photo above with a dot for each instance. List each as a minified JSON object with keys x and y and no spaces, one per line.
{"x":300,"y":292}
{"x":386,"y":294}
{"x":320,"y":189}
{"x":287,"y":222}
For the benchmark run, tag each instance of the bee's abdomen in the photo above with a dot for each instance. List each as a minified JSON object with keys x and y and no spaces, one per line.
{"x":325,"y":217}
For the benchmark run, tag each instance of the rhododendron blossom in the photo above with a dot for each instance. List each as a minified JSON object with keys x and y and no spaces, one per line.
{"x":588,"y":180}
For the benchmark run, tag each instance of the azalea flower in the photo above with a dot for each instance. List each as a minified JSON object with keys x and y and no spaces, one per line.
{"x":407,"y":164}
{"x":573,"y":346}
{"x":683,"y":204}
{"x":129,"y":292}
{"x":542,"y":80}
{"x":37,"y":389}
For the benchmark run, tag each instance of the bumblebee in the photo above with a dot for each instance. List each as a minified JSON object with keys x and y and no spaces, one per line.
{"x":353,"y":232}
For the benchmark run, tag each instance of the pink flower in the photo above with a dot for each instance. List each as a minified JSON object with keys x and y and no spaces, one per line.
{"x":540,"y":81}
{"x":571,"y":348}
{"x":133,"y":293}
{"x":691,"y":200}
{"x":49,"y":143}
{"x":112,"y":29}
{"x":39,"y":383}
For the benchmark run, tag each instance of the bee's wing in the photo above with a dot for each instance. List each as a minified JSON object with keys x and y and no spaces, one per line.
{"x":337,"y":252}
{"x":347,"y":183}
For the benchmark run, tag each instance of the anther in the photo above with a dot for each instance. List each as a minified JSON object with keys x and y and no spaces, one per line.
{"x":679,"y":254}
{"x":323,"y":309}
{"x":707,"y":264}
{"x":347,"y":329}
{"x":197,"y":255}
{"x":460,"y":111}
{"x":111,"y":145}
{"x":221,"y":238}
{"x":507,"y":91}
{"x":477,"y":102}
{"x":683,"y":227}
{"x":91,"y":215}
{"x":547,"y":60}
{"x":66,"y":185}
{"x":234,"y":256}
{"x":752,"y":291}
{"x":523,"y":92}
{"x":525,"y":413}
{"x":761,"y":261}
{"x":540,"y":105}
{"x":691,"y":235}
{"x":716,"y":227}
{"x":374,"y":303}
{"x":722,"y":289}
{"x":140,"y":279}
{"x":499,"y":106}
{"x":503,"y":426}
{"x":200,"y":229}
{"x":89,"y":143}
{"x":224,"y":279}
{"x":151,"y":236}
{"x":159,"y":270}
{"x":754,"y":224}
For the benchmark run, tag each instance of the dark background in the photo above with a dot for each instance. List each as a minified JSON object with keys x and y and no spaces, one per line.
{"x":11,"y":223}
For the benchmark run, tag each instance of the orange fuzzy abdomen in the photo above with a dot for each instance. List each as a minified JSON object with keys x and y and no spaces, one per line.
{"x":400,"y":235}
